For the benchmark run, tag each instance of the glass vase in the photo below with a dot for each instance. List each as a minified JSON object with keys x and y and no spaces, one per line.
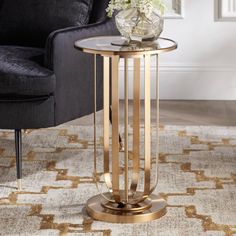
{"x":136,"y":26}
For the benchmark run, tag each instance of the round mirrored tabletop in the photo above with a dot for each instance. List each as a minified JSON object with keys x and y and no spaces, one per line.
{"x":111,"y":45}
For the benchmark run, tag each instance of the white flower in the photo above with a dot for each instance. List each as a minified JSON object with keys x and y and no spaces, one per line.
{"x":144,"y":6}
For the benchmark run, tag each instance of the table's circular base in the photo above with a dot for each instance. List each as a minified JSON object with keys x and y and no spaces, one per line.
{"x":98,"y":212}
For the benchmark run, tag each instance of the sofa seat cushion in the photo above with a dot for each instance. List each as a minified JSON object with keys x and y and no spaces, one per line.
{"x":21,"y":72}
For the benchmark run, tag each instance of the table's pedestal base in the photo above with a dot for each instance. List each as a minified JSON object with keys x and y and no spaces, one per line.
{"x":97,"y":208}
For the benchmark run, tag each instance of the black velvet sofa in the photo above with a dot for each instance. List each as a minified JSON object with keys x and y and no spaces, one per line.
{"x":44,"y":81}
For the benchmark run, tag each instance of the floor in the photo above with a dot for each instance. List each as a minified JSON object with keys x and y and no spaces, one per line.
{"x":220,"y":113}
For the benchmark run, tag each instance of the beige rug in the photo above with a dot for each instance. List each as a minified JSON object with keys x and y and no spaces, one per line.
{"x":197,"y":177}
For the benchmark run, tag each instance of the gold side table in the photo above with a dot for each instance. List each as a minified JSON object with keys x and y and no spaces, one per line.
{"x":130,"y":174}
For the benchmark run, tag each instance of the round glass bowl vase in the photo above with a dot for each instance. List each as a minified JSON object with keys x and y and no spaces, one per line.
{"x":136,"y":26}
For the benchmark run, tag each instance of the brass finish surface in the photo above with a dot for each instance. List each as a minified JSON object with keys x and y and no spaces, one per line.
{"x":102,"y":45}
{"x":107,"y":176}
{"x":94,"y":116}
{"x":106,"y":122}
{"x":126,"y":153}
{"x":147,"y":126}
{"x":98,"y":212}
{"x":157,"y":124}
{"x":136,"y":125}
{"x":126,"y":204}
{"x":128,"y":208}
{"x":157,"y":121}
{"x":115,"y":129}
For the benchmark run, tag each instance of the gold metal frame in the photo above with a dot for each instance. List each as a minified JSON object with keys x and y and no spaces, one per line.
{"x":124,"y":202}
{"x":125,"y":54}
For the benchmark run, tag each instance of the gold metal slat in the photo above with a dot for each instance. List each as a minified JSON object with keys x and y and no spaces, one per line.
{"x":94,"y":116}
{"x":115,"y":129}
{"x":157,"y":123}
{"x":106,"y":122}
{"x":136,"y":125}
{"x":126,"y":83}
{"x":147,"y":128}
{"x":107,"y":176}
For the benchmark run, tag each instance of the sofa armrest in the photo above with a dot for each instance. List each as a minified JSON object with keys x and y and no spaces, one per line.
{"x":74,"y":70}
{"x":66,"y":38}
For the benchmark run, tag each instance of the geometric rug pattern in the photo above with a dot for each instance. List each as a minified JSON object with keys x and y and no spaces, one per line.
{"x":197,"y":177}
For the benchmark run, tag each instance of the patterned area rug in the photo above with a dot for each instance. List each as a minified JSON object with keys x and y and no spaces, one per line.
{"x":197,"y":178}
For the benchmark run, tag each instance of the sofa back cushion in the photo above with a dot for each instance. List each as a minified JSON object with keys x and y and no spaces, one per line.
{"x":99,"y":10}
{"x":29,"y":22}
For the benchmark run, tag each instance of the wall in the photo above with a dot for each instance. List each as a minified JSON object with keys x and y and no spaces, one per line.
{"x":204,"y":66}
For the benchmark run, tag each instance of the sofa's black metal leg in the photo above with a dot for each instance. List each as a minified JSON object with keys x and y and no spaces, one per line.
{"x":120,"y":139}
{"x":18,"y":145}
